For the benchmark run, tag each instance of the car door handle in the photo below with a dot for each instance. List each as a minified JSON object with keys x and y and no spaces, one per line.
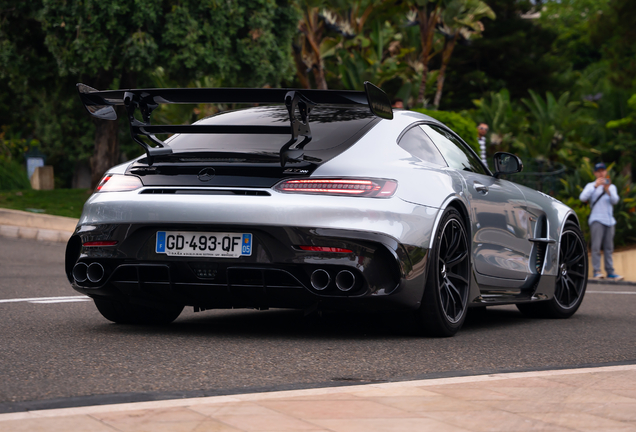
{"x":480,"y":188}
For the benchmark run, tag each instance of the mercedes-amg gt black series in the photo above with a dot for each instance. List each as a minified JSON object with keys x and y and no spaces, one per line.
{"x":316,"y":199}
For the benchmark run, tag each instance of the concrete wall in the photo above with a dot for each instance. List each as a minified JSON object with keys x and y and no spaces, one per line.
{"x":624,"y":264}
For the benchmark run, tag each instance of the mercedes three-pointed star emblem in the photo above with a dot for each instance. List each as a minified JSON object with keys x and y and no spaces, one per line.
{"x":206,"y":174}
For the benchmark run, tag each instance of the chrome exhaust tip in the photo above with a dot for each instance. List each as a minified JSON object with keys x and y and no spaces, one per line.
{"x":80,"y":272}
{"x":95,"y":272}
{"x":345,"y":280}
{"x":320,"y":279}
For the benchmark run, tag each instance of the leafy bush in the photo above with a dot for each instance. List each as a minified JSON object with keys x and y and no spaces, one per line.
{"x":505,"y":119}
{"x":465,"y":127}
{"x":13,"y":175}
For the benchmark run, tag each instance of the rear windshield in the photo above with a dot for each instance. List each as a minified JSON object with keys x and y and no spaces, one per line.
{"x":330,"y":127}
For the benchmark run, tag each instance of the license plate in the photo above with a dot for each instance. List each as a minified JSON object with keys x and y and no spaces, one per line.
{"x":204,"y":244}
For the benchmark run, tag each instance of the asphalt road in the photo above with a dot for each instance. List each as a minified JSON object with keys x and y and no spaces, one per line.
{"x":60,"y":352}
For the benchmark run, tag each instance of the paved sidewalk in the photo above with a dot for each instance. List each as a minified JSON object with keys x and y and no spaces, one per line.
{"x":593,"y":399}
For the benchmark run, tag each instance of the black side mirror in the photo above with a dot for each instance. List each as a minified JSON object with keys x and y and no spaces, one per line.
{"x":507,"y":163}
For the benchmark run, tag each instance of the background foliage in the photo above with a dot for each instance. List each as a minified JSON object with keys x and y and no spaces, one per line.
{"x":554,"y":79}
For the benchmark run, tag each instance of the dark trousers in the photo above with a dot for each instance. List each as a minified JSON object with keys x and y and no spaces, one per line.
{"x":602,"y":238}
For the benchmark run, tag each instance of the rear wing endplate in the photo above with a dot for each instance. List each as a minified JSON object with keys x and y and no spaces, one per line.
{"x":299,"y":103}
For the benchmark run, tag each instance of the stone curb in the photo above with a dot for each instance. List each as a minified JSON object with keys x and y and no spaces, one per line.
{"x":20,"y":224}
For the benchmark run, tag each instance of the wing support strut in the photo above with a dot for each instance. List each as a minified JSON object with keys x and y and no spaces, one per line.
{"x":299,"y":104}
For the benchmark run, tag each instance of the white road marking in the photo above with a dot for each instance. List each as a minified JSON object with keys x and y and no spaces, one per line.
{"x":610,"y":292}
{"x":62,"y":299}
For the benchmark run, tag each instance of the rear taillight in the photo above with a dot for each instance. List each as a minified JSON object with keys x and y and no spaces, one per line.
{"x":343,"y":187}
{"x":118,"y":183}
{"x":324,"y":249}
{"x":100,"y":243}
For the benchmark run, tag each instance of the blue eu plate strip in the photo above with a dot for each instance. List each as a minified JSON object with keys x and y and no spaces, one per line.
{"x":161,"y":242}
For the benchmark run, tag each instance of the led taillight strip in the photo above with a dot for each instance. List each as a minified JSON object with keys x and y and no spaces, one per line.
{"x":341,"y":191}
{"x":324,"y":249}
{"x":100,"y":243}
{"x":368,"y":188}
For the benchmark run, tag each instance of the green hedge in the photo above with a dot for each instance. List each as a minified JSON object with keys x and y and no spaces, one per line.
{"x":462,"y":126}
{"x":13,"y":176}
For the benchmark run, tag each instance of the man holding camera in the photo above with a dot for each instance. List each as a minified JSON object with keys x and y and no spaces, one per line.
{"x":602,"y":196}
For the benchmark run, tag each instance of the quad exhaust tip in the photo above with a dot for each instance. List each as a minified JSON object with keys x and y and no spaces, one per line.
{"x":80,"y":272}
{"x":95,"y":272}
{"x":320,"y":279}
{"x":83,"y":272}
{"x":345,"y":280}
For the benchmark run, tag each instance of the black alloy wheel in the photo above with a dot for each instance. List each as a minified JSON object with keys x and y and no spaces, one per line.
{"x":571,"y":279}
{"x":445,"y":299}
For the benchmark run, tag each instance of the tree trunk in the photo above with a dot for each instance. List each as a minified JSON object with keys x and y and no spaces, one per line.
{"x":312,"y":29}
{"x":106,"y":152}
{"x":301,"y":68}
{"x":449,"y":46}
{"x":422,"y":92}
{"x":427,"y":32}
{"x":319,"y":76}
{"x":106,"y":149}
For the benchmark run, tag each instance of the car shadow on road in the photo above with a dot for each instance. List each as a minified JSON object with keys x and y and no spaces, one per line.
{"x":294,"y":323}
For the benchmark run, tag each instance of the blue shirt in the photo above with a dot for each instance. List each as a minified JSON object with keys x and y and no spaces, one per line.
{"x":602,"y":211}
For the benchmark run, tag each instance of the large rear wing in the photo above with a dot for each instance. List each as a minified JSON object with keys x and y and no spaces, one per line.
{"x":299,"y":103}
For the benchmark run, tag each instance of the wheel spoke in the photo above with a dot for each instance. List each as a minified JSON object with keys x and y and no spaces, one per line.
{"x":455,"y":241}
{"x":574,"y":260}
{"x":575,"y":273}
{"x":455,"y":297}
{"x":576,"y":287}
{"x":457,"y":277}
{"x":454,"y":291}
{"x":568,"y":283}
{"x":449,"y":298}
{"x":456,"y":260}
{"x":571,"y":246}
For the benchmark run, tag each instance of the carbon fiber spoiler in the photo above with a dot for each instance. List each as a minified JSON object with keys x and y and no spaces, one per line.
{"x":299,"y":103}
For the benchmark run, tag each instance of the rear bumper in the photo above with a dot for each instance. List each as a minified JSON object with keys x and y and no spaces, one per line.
{"x":386,"y":274}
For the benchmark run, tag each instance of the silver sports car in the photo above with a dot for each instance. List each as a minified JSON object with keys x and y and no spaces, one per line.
{"x":316,"y":200}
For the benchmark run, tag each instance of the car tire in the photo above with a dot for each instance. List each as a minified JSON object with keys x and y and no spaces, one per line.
{"x":125,"y":313}
{"x":571,"y":279}
{"x":445,"y":299}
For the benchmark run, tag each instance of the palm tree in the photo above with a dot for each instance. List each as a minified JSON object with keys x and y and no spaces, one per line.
{"x":341,"y":18}
{"x":427,"y":14}
{"x":307,"y":54}
{"x":459,"y":19}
